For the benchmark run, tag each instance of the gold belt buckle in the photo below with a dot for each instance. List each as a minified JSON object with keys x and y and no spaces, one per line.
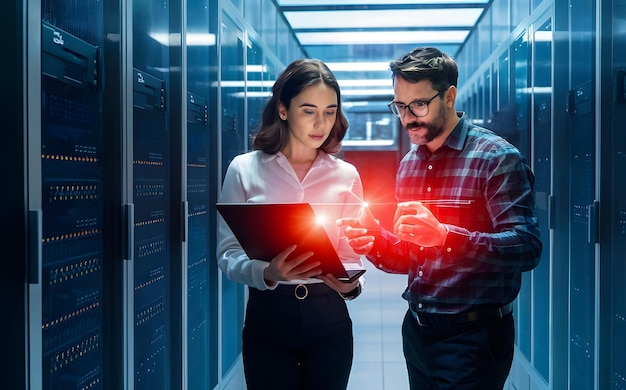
{"x":304,"y":294}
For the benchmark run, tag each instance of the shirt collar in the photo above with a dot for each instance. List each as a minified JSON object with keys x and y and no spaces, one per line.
{"x":266,"y":158}
{"x":322,"y":158}
{"x":457,"y":137}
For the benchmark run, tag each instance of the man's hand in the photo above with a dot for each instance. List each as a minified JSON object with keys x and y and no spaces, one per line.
{"x":280,"y":269}
{"x":362,"y":231}
{"x":413,"y":222}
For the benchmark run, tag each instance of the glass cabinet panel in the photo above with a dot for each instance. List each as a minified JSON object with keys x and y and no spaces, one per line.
{"x":151,"y":188}
{"x":234,"y":142}
{"x":541,"y":159}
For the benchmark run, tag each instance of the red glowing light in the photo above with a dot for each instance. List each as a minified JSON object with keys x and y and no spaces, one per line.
{"x":320,"y":219}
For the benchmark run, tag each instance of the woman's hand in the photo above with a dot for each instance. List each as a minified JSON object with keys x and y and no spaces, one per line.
{"x":337,"y":285}
{"x":283,"y":269}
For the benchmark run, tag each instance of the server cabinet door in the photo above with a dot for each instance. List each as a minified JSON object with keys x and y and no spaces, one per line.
{"x":520,"y":81}
{"x":151,"y":326}
{"x":618,"y":208}
{"x":618,"y":230}
{"x":233,"y":142}
{"x":72,"y":214}
{"x":202,"y":187}
{"x":542,"y":166}
{"x":581,"y":107}
{"x":583,"y":235}
{"x":154,"y":277}
{"x":199,"y":238}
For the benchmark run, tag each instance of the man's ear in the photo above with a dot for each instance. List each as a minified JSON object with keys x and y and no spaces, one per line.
{"x":451,"y":96}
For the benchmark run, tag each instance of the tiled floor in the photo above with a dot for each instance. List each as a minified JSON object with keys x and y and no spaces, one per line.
{"x":377,"y":318}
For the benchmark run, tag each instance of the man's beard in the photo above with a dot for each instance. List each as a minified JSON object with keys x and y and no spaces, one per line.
{"x":433,"y":129}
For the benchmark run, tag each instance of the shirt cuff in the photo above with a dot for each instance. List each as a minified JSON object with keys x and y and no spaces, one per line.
{"x":456,"y":240}
{"x":257,"y":276}
{"x":375,"y":255}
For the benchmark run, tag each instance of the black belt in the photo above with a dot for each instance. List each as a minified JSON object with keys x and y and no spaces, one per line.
{"x":447,"y":320}
{"x":299,"y":291}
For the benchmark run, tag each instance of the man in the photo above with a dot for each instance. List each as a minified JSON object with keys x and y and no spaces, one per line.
{"x":464,"y":231}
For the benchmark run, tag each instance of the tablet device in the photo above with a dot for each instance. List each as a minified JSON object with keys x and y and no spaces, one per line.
{"x":266,"y":229}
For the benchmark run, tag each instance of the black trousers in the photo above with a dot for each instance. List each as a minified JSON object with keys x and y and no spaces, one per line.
{"x":473,"y":356}
{"x":297,"y":344}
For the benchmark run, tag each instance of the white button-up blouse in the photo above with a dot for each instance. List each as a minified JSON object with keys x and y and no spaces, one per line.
{"x":257,"y":177}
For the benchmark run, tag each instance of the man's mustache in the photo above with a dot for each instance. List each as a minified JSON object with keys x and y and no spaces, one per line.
{"x":414,"y":125}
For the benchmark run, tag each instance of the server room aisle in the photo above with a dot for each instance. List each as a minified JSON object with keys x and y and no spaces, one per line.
{"x":377,"y":318}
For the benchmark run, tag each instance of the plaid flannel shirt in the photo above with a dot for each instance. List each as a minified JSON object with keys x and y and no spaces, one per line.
{"x":493,"y":233}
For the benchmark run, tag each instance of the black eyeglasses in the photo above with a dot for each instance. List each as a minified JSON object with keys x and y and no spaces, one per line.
{"x":417,"y":107}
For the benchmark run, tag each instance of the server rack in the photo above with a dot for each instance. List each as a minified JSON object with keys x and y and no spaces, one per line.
{"x":152,"y":235}
{"x":583,"y":206}
{"x":199,"y":242}
{"x":70,"y":268}
{"x":202,"y":160}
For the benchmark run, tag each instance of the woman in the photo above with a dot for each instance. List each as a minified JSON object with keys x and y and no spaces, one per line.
{"x":297,"y":333}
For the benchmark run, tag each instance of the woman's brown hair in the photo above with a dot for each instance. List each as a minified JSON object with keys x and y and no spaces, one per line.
{"x":273,"y":133}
